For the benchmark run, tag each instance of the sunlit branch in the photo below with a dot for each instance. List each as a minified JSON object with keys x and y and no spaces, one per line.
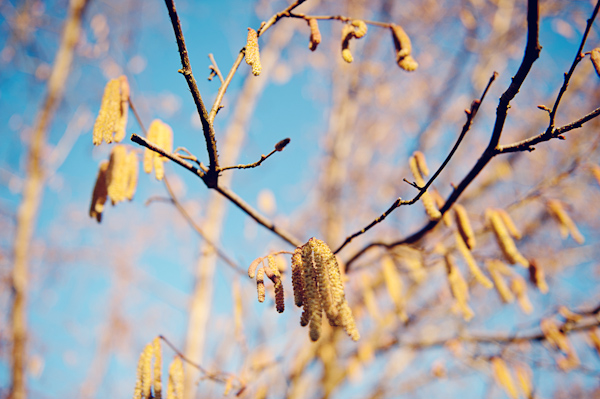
{"x":399,"y":202}
{"x":338,"y":18}
{"x":279,"y":147}
{"x":211,"y":178}
{"x":532,"y":52}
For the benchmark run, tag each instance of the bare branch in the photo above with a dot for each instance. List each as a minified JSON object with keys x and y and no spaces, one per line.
{"x":211,"y":179}
{"x":278,"y":147}
{"x":214,"y":68}
{"x":399,"y":202}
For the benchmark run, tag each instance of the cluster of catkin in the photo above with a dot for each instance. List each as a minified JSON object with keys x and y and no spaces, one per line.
{"x":357,"y":29}
{"x":418,"y":168}
{"x":148,"y":384}
{"x":117,"y":180}
{"x":252,"y":53}
{"x":504,"y":378}
{"x":273,"y":273}
{"x":112,"y":118}
{"x":505,"y":231}
{"x":566,"y":225}
{"x":161,"y":135}
{"x":317,"y":285}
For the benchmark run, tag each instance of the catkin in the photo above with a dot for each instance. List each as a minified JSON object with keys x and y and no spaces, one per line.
{"x":510,"y":224}
{"x":595,"y":57}
{"x":260,"y":285}
{"x":161,"y":135}
{"x":464,"y":225}
{"x":323,"y":282}
{"x":279,"y":300}
{"x":471,"y":263}
{"x":132,"y":175}
{"x":118,"y":174}
{"x":312,"y":301}
{"x":403,"y":48}
{"x":347,"y":34}
{"x":100,"y":193}
{"x":147,"y":371}
{"x":360,"y":28}
{"x":112,"y":117}
{"x":503,"y":377}
{"x":519,"y":288}
{"x":495,"y":269}
{"x":505,"y":241}
{"x":175,"y":385}
{"x":538,"y":277}
{"x":157,"y":384}
{"x":394,"y":285}
{"x":459,"y":288}
{"x":596,"y":173}
{"x":523,"y":373}
{"x":297,"y":279}
{"x":567,"y":226}
{"x":554,"y":335}
{"x":315,"y":34}
{"x":421,"y":163}
{"x":439,"y":203}
{"x":428,"y":202}
{"x":121,"y":122}
{"x":252,"y":52}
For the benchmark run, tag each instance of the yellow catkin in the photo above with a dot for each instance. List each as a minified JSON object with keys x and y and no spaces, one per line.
{"x":538,"y":277}
{"x":421,"y":163}
{"x":568,"y":315}
{"x":464,"y":225}
{"x":519,"y":288}
{"x":428,"y":202}
{"x":554,"y":335}
{"x":594,"y":339}
{"x":165,"y":142}
{"x":312,"y":301}
{"x":253,"y":266}
{"x":471,"y":263}
{"x":132,"y":175}
{"x":137,"y":392}
{"x":439,"y":203}
{"x":108,"y":114}
{"x":510,"y":224}
{"x":403,"y":48}
{"x":505,"y":241}
{"x":297,"y":279}
{"x":596,"y":173}
{"x":151,"y":136}
{"x":175,"y":385}
{"x":347,"y":34}
{"x":252,"y":52}
{"x":523,"y":373}
{"x":315,"y":34}
{"x":100,"y":193}
{"x":369,"y":297}
{"x":147,"y":371}
{"x":495,"y":267}
{"x":566,"y":223}
{"x":121,"y":122}
{"x":157,"y":382}
{"x":595,"y":58}
{"x":118,"y":174}
{"x":459,"y":288}
{"x":260,"y":284}
{"x":503,"y":377}
{"x":395,"y":287}
{"x":360,"y":28}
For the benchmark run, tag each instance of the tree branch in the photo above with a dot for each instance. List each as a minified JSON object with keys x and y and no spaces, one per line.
{"x":212,"y":175}
{"x":532,"y":52}
{"x":399,"y":202}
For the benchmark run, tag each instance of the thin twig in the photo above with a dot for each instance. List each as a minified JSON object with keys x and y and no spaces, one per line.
{"x":262,"y":157}
{"x":527,"y":144}
{"x":173,"y":157}
{"x":225,"y":84}
{"x":198,"y":230}
{"x":399,"y":202}
{"x":338,"y":18}
{"x":137,"y":116}
{"x":532,"y":52}
{"x":211,"y":179}
{"x":214,"y":69}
